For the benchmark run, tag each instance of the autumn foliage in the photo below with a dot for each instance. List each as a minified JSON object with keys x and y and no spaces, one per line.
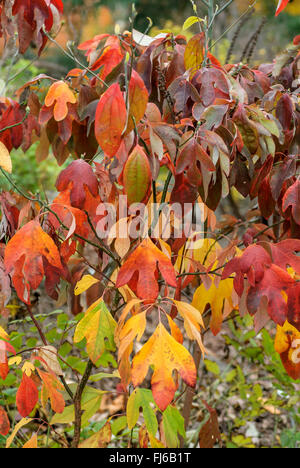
{"x":160,"y":121}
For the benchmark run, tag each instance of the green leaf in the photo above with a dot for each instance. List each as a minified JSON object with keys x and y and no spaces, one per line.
{"x":142,"y":398}
{"x":90,"y":404}
{"x":212,"y":367}
{"x":118,"y":425}
{"x":230,"y":375}
{"x":98,"y":327}
{"x":104,"y":375}
{"x":173,"y":424}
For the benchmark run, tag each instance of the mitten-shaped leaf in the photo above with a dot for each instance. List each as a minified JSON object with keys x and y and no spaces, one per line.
{"x":24,"y":255}
{"x":141,"y":269}
{"x":59,"y":95}
{"x":165,"y":354}
{"x":79,"y":175}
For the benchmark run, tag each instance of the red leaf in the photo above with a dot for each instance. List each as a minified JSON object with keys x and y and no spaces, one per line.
{"x":141,"y":268}
{"x":12,"y":114}
{"x":281,"y":6}
{"x":110,"y":120}
{"x":3,"y":360}
{"x":32,"y":16}
{"x":283,"y":254}
{"x":275,"y":280}
{"x":5,"y":347}
{"x":78,"y":175}
{"x":111,"y":55}
{"x":294,"y":306}
{"x":292,"y":198}
{"x":252,"y":263}
{"x":91,"y":45}
{"x":267,"y":275}
{"x":27,"y":396}
{"x":194,"y":160}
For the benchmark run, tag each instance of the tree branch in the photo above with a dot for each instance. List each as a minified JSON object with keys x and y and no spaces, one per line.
{"x":77,"y":404}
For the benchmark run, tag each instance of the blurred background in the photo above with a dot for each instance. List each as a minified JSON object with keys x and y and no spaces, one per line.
{"x":86,"y":18}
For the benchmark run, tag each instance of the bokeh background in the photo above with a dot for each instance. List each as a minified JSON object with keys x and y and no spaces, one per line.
{"x":86,"y":18}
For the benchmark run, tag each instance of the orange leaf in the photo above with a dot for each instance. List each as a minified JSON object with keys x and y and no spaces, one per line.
{"x":27,"y":396}
{"x":287,"y":344}
{"x":111,"y":56}
{"x":59,"y":94}
{"x":192,"y":321}
{"x":3,"y":360}
{"x":138,"y":99}
{"x":110,"y":120}
{"x":32,"y":443}
{"x":50,"y":390}
{"x":4,"y":422}
{"x":134,"y":328}
{"x":24,"y":255}
{"x":194,"y":53}
{"x":165,"y":354}
{"x":141,"y":269}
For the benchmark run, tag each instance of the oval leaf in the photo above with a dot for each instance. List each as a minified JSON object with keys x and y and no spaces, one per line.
{"x":137,"y":176}
{"x":110,"y":120}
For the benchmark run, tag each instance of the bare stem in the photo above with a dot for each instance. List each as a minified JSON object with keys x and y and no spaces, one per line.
{"x":77,"y":404}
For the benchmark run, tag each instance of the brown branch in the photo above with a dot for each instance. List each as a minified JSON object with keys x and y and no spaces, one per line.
{"x":37,"y":325}
{"x":77,"y":404}
{"x":188,"y":402}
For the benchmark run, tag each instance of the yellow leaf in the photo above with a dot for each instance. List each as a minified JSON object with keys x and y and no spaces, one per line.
{"x":190,"y":21}
{"x":100,"y":439}
{"x":3,"y":334}
{"x":219,"y":297}
{"x":165,"y":354}
{"x":18,"y":426}
{"x":192,"y":322}
{"x":14,"y":360}
{"x":155,"y":443}
{"x":5,"y":161}
{"x":129,"y":306}
{"x":206,"y":251}
{"x":133,"y":328}
{"x":28,"y":368}
{"x":85,"y":283}
{"x":194,"y":53}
